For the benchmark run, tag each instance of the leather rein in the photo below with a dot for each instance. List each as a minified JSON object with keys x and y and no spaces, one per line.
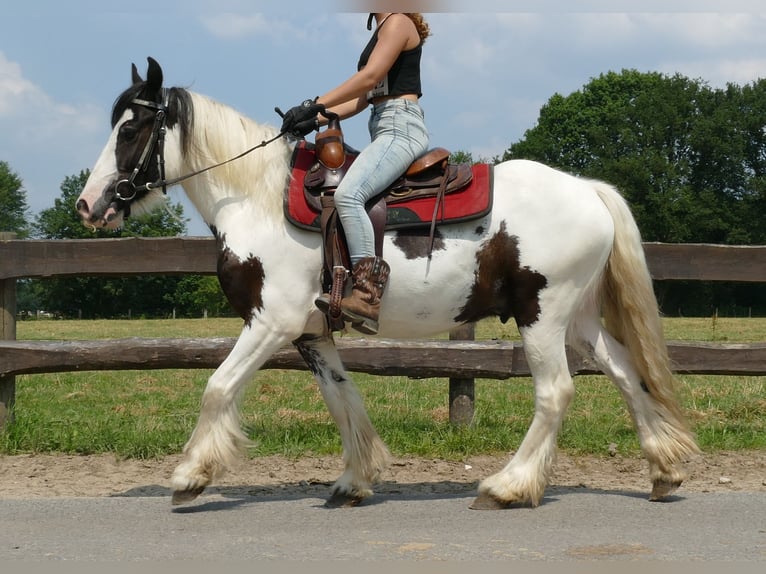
{"x":157,"y":140}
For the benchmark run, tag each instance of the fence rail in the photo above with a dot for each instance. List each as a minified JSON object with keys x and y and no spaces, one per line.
{"x":171,"y":255}
{"x":416,"y":359}
{"x":460,"y":358}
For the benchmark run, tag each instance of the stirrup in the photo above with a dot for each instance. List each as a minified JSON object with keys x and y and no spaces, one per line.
{"x":361,"y":323}
{"x":366,"y":327}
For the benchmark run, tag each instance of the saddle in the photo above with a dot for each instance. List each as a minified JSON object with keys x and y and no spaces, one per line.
{"x":420,"y":198}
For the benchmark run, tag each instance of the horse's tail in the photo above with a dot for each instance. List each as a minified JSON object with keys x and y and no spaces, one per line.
{"x":631,"y":315}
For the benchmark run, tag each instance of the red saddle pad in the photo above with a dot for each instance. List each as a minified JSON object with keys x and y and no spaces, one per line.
{"x":472,"y":202}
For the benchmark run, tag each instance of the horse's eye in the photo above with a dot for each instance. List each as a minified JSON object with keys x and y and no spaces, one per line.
{"x":128,"y":133}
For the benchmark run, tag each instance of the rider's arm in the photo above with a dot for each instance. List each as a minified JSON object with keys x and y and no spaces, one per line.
{"x":347,"y":109}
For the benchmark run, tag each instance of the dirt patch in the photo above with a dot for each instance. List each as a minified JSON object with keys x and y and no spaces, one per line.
{"x":27,"y":476}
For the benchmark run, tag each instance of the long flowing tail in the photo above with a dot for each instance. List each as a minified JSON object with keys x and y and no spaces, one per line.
{"x":631,"y":315}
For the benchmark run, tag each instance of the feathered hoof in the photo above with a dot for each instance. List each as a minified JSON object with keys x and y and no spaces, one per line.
{"x":186,"y":496}
{"x":661,"y":489}
{"x":486,"y":501}
{"x":343,"y":500}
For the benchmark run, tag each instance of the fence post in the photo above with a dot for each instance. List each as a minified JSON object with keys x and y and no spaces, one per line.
{"x":8,"y":333}
{"x":461,"y":391}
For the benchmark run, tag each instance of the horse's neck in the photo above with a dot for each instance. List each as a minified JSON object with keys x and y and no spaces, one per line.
{"x":254,"y":183}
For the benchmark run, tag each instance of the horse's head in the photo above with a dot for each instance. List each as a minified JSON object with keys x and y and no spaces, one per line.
{"x":133,"y":159}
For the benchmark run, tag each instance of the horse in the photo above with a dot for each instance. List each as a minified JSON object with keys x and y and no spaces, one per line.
{"x":560,"y":254}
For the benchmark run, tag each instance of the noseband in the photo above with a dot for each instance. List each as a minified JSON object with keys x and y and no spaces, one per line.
{"x":125,"y":190}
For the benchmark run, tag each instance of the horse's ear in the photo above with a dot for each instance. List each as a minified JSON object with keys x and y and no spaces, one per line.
{"x":135,"y":76}
{"x":154,"y":75}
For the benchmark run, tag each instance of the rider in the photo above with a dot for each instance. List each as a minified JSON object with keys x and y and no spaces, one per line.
{"x":388,"y":77}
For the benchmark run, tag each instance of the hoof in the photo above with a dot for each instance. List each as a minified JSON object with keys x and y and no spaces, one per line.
{"x":662,"y":489}
{"x":487,"y":502}
{"x":184,"y":496}
{"x":343,"y":500}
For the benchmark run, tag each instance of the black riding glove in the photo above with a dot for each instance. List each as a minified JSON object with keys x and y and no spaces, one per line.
{"x":301,"y":120}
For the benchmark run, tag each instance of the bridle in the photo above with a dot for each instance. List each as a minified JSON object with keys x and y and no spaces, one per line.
{"x":125,"y":190}
{"x":156,"y":140}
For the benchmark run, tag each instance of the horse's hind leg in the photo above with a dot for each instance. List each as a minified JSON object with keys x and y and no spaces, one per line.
{"x":664,"y":444}
{"x":524,"y":478}
{"x":364,"y":453}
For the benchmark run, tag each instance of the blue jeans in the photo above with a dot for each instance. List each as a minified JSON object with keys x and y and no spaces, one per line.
{"x":398,"y":136}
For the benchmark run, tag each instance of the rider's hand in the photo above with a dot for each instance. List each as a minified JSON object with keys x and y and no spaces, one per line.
{"x":302,"y":119}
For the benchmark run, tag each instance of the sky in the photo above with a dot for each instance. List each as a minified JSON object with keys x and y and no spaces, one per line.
{"x":488,"y":68}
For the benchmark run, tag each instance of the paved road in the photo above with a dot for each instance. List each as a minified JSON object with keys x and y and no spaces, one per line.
{"x":572,"y":524}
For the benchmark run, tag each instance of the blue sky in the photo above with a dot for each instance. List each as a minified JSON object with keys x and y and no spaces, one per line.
{"x":487,"y":69}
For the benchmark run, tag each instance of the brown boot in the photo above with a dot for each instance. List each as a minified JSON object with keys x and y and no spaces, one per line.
{"x":362,"y":307}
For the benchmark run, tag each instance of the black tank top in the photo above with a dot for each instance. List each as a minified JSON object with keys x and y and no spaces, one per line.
{"x":404,"y":75}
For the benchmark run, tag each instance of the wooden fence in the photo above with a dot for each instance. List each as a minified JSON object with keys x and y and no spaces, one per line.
{"x":460,"y":358}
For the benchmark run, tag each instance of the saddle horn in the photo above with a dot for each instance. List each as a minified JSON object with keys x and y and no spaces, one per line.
{"x":329,"y":144}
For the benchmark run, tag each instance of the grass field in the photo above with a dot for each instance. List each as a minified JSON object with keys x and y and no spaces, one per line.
{"x":151,"y":413}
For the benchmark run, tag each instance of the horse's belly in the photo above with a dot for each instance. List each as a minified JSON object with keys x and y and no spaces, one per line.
{"x":402,"y":319}
{"x":424,"y":297}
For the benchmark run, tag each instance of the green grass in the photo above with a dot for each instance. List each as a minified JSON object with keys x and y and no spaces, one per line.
{"x":149,"y":414}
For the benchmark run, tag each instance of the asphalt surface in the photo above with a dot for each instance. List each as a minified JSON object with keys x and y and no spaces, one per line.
{"x":570,"y":525}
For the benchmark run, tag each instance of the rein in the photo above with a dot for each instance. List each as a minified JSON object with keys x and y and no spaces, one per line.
{"x":157,"y":139}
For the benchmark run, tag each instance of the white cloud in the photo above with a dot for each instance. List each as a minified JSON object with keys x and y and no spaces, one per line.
{"x":33,"y":114}
{"x":232,"y":25}
{"x":708,"y":31}
{"x":15,"y":90}
{"x":43,"y":138}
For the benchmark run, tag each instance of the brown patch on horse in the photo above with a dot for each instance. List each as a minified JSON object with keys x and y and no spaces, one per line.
{"x":502,"y":287}
{"x":416,"y":243}
{"x":241,"y":282}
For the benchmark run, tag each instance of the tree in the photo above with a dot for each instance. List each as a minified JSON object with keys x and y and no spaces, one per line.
{"x":690,"y":160}
{"x":13,"y":202}
{"x":196,"y":295}
{"x":461,"y":156}
{"x":630,"y":129}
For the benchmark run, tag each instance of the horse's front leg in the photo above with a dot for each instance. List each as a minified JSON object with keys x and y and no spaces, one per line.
{"x":218,"y":441}
{"x":364,"y":453}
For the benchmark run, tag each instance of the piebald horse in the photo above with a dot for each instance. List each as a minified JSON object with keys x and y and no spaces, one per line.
{"x":557,"y":253}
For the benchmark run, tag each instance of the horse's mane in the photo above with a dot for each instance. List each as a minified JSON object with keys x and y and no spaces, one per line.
{"x":220,"y":133}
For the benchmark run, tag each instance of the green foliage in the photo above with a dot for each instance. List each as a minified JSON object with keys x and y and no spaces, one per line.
{"x":690,"y":160}
{"x":13,"y":202}
{"x":461,"y":156}
{"x":196,"y":294}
